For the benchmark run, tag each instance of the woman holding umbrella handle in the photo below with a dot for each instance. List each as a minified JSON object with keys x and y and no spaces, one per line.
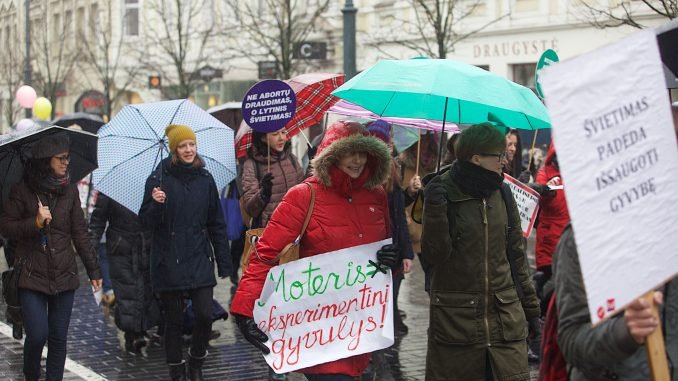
{"x":46,"y":232}
{"x":189,"y":236}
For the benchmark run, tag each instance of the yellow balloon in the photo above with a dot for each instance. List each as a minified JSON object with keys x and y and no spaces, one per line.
{"x":42,"y":108}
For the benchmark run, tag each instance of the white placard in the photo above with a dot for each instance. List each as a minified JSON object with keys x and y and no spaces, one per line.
{"x":617,"y":151}
{"x":527,"y":201}
{"x":326,"y":307}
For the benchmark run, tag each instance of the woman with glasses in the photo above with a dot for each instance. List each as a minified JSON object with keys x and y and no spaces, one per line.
{"x":471,"y":226}
{"x":43,"y":215}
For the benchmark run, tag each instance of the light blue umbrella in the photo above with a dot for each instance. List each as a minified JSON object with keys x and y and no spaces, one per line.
{"x":133,"y":143}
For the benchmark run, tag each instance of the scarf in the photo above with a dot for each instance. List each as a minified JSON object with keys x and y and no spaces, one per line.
{"x":344,"y":184}
{"x":474,"y":179}
{"x":53,"y":184}
{"x":185,"y":172}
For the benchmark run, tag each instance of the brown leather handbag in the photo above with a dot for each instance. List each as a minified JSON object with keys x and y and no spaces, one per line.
{"x":289,"y":253}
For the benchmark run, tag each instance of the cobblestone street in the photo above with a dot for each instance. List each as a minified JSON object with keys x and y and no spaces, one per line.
{"x":95,"y":348}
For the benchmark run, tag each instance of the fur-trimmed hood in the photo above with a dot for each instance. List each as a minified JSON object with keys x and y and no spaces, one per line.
{"x":343,"y":138}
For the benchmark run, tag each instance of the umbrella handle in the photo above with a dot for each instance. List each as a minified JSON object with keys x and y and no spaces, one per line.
{"x":304,"y":135}
{"x":534,"y":142}
{"x":416,"y":169}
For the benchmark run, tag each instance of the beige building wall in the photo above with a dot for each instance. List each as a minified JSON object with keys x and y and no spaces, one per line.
{"x":510,"y":46}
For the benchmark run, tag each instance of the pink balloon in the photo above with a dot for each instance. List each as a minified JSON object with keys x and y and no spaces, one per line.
{"x":26,"y":96}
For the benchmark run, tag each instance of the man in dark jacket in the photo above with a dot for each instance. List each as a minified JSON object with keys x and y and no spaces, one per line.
{"x":612,"y":350}
{"x":128,"y":247}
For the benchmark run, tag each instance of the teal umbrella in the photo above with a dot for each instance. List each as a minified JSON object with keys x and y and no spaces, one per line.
{"x":445,"y":90}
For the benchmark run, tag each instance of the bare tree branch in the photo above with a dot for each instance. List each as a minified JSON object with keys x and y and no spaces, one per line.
{"x":626,"y":12}
{"x":435,"y":29}
{"x":180,"y":40}
{"x":271,"y":31}
{"x":55,"y":54}
{"x":103,"y":53}
{"x":11,"y":77}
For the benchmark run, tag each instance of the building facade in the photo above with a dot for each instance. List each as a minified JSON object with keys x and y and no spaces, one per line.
{"x":135,"y":44}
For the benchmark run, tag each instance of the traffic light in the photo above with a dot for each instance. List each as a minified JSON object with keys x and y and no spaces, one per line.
{"x":154,"y":82}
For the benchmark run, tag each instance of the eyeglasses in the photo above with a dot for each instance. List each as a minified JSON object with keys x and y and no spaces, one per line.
{"x":499,"y":156}
{"x":63,"y":159}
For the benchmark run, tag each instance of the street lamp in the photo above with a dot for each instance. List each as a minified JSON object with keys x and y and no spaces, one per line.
{"x":349,"y":12}
{"x":27,"y":62}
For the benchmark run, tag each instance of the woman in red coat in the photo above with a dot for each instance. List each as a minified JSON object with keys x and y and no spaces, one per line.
{"x":553,"y":216}
{"x":351,"y":209}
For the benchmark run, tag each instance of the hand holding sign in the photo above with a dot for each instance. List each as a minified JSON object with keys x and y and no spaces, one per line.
{"x":323,"y":308}
{"x":252,"y":333}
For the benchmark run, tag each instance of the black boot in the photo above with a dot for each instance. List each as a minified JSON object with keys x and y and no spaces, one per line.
{"x":17,"y":331}
{"x":195,"y":366}
{"x":177,"y":371}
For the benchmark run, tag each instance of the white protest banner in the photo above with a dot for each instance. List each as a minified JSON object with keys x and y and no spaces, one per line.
{"x":326,"y":307}
{"x":617,"y":151}
{"x":527,"y":201}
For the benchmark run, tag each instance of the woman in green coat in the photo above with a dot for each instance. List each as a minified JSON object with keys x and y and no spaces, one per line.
{"x":478,"y":315}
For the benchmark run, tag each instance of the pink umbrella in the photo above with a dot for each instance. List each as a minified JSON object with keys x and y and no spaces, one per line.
{"x":349,"y":109}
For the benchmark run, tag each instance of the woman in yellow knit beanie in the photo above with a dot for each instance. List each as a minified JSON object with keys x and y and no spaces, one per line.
{"x":182,"y":136}
{"x":181,"y":206}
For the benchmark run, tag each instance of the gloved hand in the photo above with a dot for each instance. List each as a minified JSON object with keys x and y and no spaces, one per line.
{"x":311,"y":151}
{"x":534,"y":327}
{"x":524,"y":176}
{"x":388,"y":255}
{"x":252,"y":333}
{"x":542,"y":189}
{"x":266,"y":185}
{"x":223,"y":271}
{"x":435,"y":193}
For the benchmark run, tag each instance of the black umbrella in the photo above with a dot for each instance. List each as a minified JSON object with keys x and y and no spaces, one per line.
{"x":88,"y":122}
{"x":667,"y":38}
{"x":15,"y":150}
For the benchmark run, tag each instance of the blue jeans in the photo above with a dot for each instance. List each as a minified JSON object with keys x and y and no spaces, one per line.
{"x":329,"y":377}
{"x":46,"y":317}
{"x":105,"y":272}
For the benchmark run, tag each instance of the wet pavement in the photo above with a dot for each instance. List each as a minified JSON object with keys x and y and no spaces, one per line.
{"x":95,"y":347}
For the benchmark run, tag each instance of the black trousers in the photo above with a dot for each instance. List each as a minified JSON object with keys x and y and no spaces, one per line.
{"x":173,"y":310}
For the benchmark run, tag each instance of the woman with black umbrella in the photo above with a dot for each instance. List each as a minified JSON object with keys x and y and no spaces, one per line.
{"x":43,"y":214}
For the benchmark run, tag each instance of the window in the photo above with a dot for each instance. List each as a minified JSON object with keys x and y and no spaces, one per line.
{"x":523,"y":74}
{"x":93,"y":19}
{"x":131,"y":20}
{"x":80,"y":25}
{"x":67,"y":29}
{"x":56,"y":26}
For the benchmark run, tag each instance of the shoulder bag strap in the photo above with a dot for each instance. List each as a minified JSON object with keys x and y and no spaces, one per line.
{"x":296,"y":242}
{"x":507,"y":196}
{"x":311,"y":205}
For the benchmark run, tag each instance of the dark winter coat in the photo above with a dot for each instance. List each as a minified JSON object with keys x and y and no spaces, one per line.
{"x":553,"y":214}
{"x":475,"y":310}
{"x":398,"y":221}
{"x":606,"y":352}
{"x":189,"y":232}
{"x":52,"y":269}
{"x":347,"y":213}
{"x":128,"y":248}
{"x":286,"y":173}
